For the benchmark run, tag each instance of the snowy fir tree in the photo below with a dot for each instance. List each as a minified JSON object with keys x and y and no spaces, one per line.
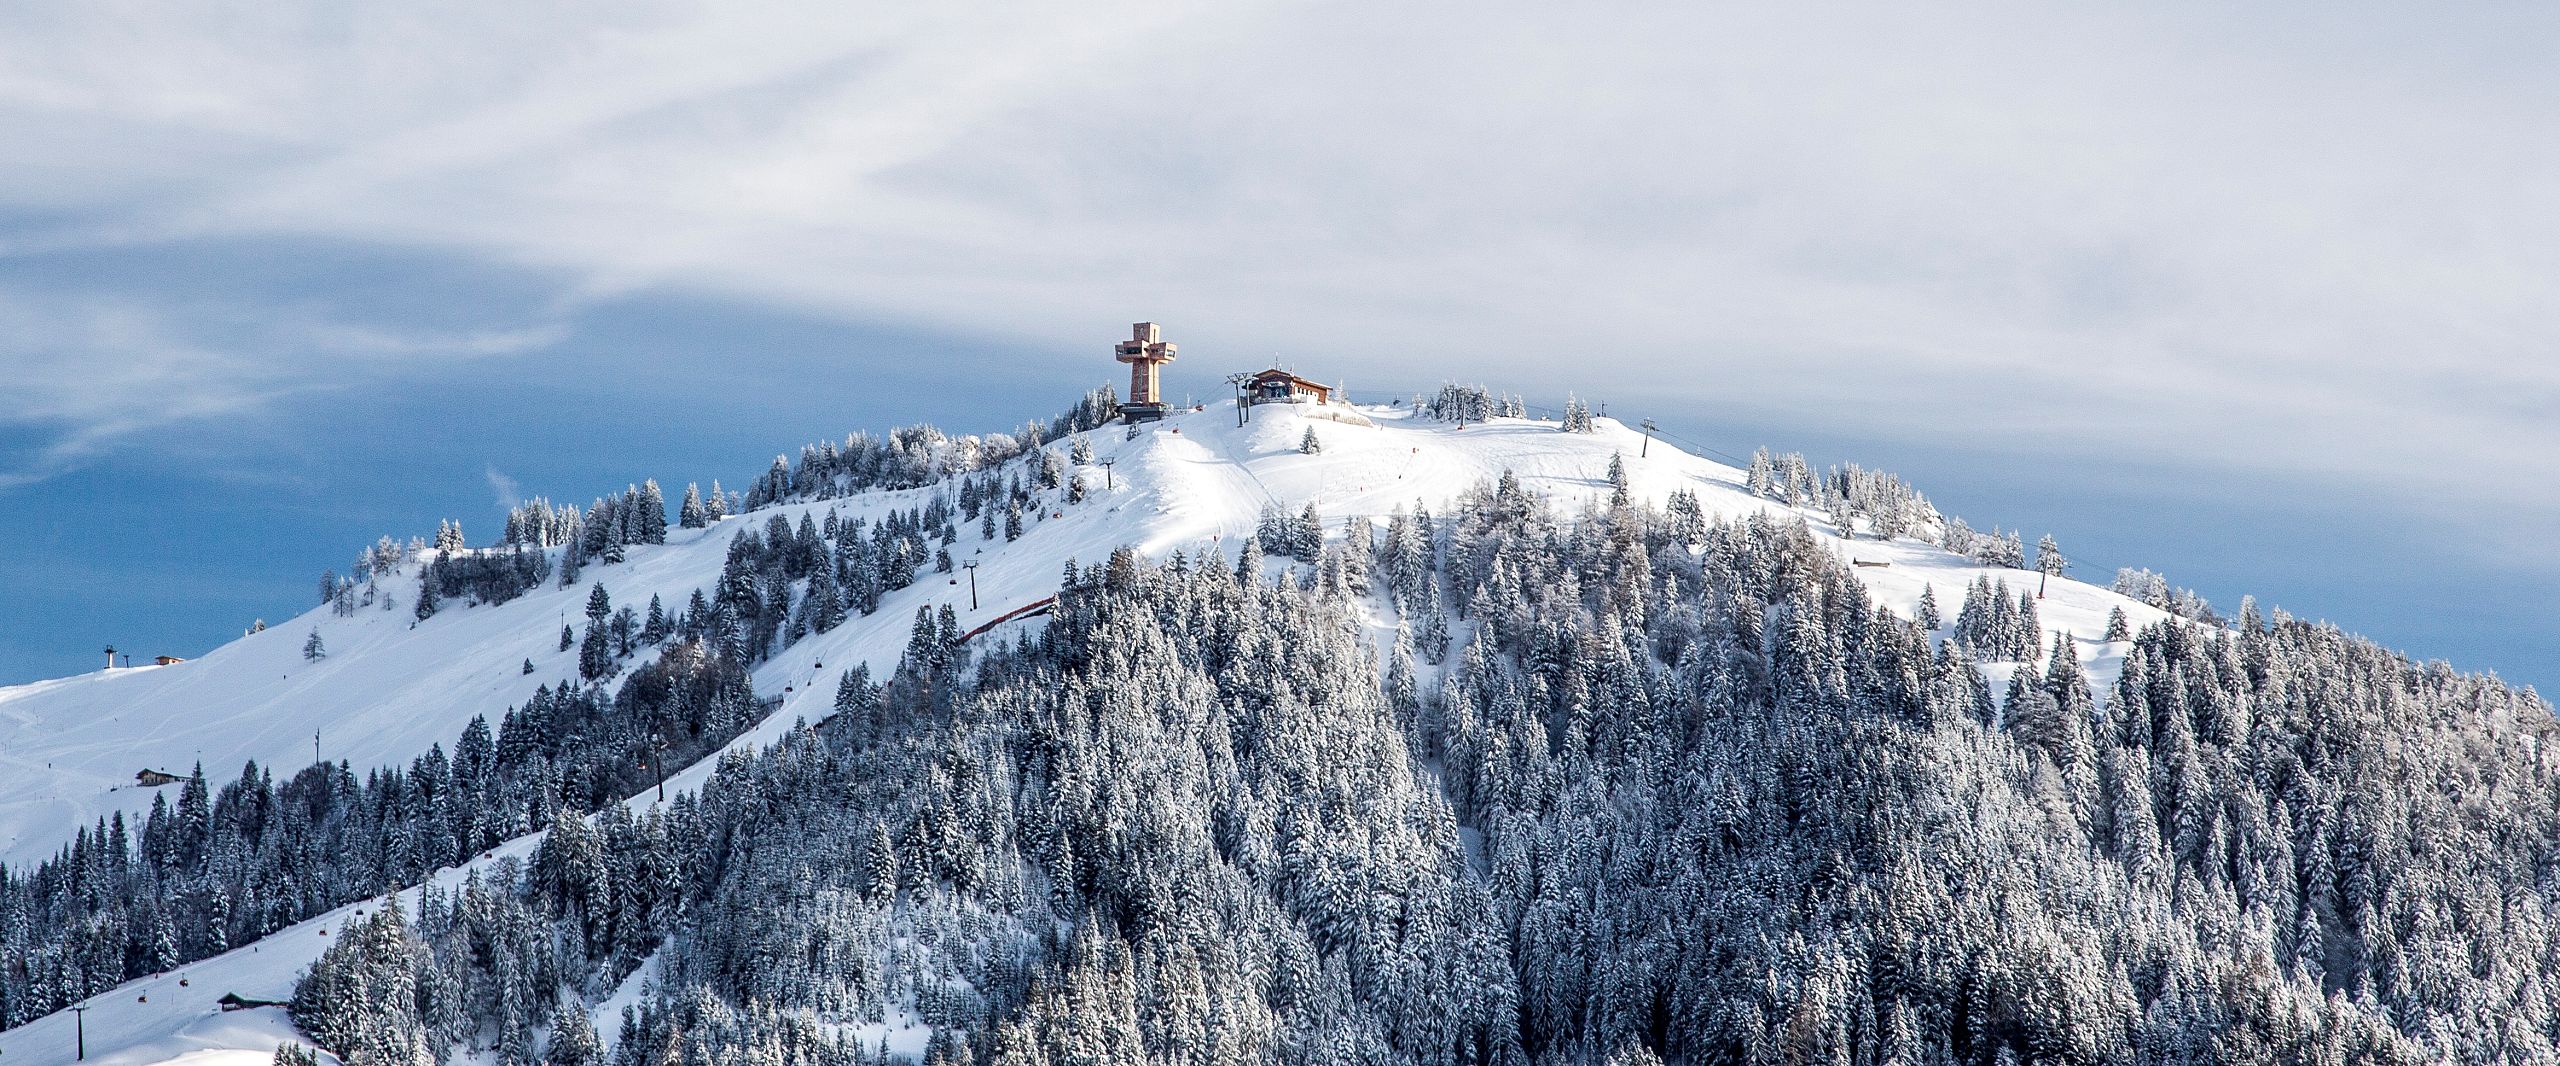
{"x":690,"y":514}
{"x":1577,"y":417}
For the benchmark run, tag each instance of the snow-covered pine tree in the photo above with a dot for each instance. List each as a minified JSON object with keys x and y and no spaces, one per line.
{"x":1271,"y":527}
{"x":573,"y":1038}
{"x":651,"y":514}
{"x":1844,"y":520}
{"x":360,"y":999}
{"x":2049,"y":561}
{"x":1577,"y":416}
{"x":2028,"y":634}
{"x":1306,"y":535}
{"x":625,"y":628}
{"x":855,"y":694}
{"x":690,"y":514}
{"x":1249,"y":561}
{"x":1762,"y":481}
{"x":656,"y":627}
{"x":1433,"y":639}
{"x":595,"y":653}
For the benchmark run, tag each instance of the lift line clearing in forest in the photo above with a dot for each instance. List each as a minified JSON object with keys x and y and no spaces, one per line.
{"x":1034,"y":608}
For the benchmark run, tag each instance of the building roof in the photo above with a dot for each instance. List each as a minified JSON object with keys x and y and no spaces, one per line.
{"x":1276,"y":373}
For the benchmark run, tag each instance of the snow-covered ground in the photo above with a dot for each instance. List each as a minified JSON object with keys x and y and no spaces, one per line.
{"x":389,"y":688}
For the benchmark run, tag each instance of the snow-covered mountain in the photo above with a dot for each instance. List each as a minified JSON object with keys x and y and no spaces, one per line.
{"x":390,"y":686}
{"x":1196,"y":487}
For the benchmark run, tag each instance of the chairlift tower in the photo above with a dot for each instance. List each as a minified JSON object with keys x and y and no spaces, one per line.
{"x":1243,"y":383}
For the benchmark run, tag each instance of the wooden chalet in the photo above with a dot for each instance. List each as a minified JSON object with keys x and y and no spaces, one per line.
{"x":1280,"y":386}
{"x":154,"y":778}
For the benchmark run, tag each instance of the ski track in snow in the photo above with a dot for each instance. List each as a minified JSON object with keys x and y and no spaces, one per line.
{"x":388,"y":689}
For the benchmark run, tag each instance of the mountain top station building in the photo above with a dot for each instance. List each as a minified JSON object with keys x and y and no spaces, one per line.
{"x":1280,"y":386}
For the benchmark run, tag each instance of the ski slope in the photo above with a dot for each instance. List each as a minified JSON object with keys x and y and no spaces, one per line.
{"x":390,"y":687}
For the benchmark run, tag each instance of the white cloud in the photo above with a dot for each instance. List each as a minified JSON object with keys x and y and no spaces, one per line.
{"x":504,"y":488}
{"x":86,"y":373}
{"x":2313,"y":241}
{"x":97,"y":371}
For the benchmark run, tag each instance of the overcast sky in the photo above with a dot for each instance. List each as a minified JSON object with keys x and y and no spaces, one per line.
{"x":2260,"y":298}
